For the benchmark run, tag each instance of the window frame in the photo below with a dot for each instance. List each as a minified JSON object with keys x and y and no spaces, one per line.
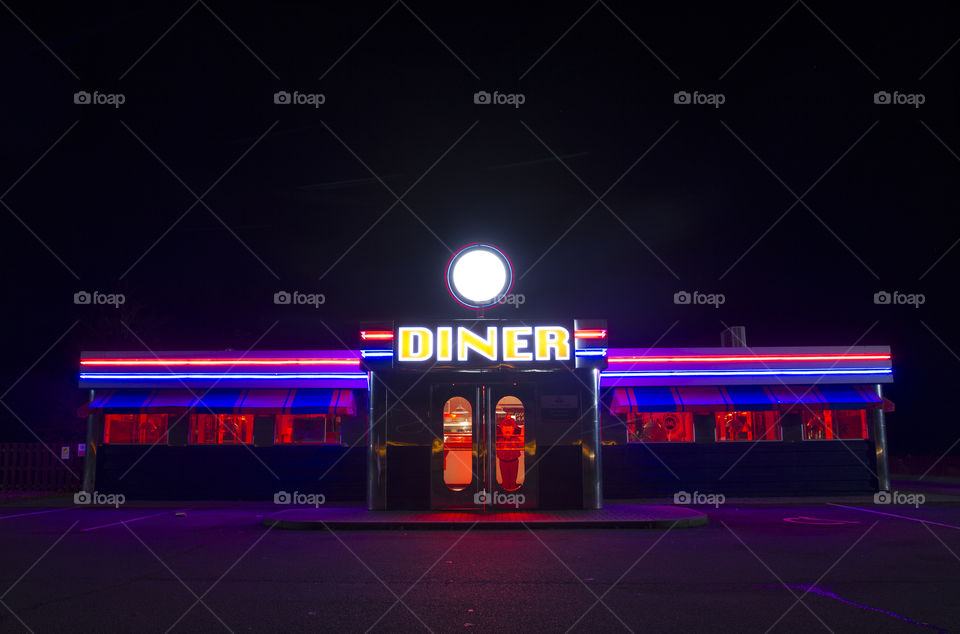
{"x":336,"y":420}
{"x":448,"y":445}
{"x":636,"y":419}
{"x":777,"y":425}
{"x":835,"y":424}
{"x":194,"y":420}
{"x":142,"y":419}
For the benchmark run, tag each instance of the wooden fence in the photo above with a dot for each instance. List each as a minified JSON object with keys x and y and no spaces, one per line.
{"x":33,"y":467}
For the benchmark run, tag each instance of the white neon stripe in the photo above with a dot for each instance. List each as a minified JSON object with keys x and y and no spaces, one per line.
{"x":591,"y":352}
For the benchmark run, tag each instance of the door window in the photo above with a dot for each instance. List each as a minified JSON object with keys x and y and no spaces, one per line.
{"x":457,"y":443}
{"x":510,"y":421}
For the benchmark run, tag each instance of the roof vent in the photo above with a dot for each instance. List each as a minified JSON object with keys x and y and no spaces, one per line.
{"x":734,"y":337}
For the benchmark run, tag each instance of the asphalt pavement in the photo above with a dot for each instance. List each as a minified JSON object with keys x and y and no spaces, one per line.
{"x":782,"y":565}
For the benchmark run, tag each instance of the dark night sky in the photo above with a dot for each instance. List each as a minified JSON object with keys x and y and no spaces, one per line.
{"x":800,"y":99}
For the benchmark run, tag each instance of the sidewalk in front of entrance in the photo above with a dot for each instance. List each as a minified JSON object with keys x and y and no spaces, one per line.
{"x":639,"y":513}
{"x":611,"y":516}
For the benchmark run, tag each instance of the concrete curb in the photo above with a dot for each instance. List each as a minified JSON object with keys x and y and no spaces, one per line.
{"x":330,"y":519}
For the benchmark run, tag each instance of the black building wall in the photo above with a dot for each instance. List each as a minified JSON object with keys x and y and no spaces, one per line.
{"x":768,"y":468}
{"x":231,"y":472}
{"x":629,"y":471}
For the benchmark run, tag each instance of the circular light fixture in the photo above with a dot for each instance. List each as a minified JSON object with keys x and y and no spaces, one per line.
{"x":479,"y":276}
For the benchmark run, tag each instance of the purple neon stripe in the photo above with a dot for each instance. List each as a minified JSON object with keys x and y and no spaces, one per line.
{"x":727,"y":398}
{"x":150,"y":399}
{"x":692,"y":397}
{"x":771,"y":396}
{"x":99,"y":400}
{"x":238,"y":406}
{"x":832,"y":595}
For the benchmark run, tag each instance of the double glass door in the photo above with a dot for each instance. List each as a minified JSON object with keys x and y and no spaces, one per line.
{"x":484,"y":450}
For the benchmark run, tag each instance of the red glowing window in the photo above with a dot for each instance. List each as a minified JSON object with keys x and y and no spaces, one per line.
{"x":221,"y":429}
{"x":748,"y":426}
{"x":836,"y":424}
{"x":135,"y":429}
{"x":659,"y":427}
{"x":457,"y":443}
{"x":511,"y":461}
{"x":308,"y":428}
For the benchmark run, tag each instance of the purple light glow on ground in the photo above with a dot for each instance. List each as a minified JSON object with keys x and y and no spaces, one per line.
{"x":832,"y":595}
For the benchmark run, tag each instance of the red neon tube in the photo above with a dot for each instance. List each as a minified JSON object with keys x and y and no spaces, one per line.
{"x":589,"y":334}
{"x":376,"y":335}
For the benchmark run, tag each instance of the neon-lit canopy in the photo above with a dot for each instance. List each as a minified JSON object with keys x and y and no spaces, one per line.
{"x":746,"y":366}
{"x":627,"y":367}
{"x":288,"y":401}
{"x":226,"y":369}
{"x":737,"y":397}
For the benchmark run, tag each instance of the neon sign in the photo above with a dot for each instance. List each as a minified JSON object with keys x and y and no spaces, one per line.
{"x":479,"y":276}
{"x":482,"y":344}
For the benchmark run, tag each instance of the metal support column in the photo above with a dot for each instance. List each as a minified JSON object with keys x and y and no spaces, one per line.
{"x":376,"y":446}
{"x":879,"y":432}
{"x":90,"y":457}
{"x":489,"y":446}
{"x":590,"y":446}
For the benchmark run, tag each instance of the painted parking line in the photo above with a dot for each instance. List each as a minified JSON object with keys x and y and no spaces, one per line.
{"x":4,"y":517}
{"x":821,"y":592}
{"x":902,"y":517}
{"x":134,"y":519}
{"x":818,"y":521}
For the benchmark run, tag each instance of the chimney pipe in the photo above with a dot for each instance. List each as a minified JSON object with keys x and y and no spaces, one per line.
{"x":734,"y":337}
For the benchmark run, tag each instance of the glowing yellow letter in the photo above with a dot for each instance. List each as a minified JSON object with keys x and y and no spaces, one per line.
{"x":556,"y":338}
{"x":444,"y":343}
{"x":513,"y":344}
{"x":468,"y":340}
{"x":416,"y":343}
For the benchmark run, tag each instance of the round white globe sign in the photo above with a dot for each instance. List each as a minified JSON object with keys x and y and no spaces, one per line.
{"x":479,"y":276}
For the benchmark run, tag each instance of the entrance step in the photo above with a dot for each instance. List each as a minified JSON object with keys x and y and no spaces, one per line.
{"x":353,"y":518}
